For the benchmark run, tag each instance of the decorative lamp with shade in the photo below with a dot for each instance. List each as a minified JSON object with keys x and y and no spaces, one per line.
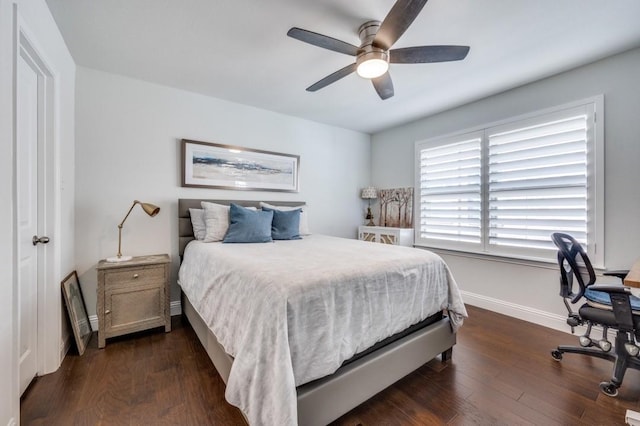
{"x":369,"y":193}
{"x":149,"y":209}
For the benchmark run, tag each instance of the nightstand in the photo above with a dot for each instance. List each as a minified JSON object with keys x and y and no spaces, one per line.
{"x":132,"y":296}
{"x":386,"y":235}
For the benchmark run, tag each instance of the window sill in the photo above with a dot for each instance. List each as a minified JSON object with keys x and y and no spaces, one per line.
{"x":513,"y":260}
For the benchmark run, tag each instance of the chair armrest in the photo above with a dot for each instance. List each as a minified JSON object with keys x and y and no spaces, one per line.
{"x":621,"y":304}
{"x":619,"y":273}
{"x":611,"y":288}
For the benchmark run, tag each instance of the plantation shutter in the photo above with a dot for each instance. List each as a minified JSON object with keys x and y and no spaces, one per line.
{"x":450,"y":191}
{"x":537,"y":181}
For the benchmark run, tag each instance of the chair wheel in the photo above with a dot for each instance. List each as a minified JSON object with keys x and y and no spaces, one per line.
{"x":609,"y":389}
{"x":556,"y":354}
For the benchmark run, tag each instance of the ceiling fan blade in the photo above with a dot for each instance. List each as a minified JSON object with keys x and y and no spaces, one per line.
{"x":383,"y":85}
{"x":332,"y":78}
{"x":323,"y":41}
{"x":399,"y":18}
{"x":425,"y":54}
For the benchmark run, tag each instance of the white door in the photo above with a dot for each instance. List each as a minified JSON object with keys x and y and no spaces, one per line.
{"x":28,"y":107}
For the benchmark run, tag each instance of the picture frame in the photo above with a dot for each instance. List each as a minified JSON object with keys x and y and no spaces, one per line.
{"x":77,"y":311}
{"x":396,"y":207}
{"x":212,"y":165}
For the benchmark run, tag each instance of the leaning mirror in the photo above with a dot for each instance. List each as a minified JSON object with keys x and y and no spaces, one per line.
{"x":77,"y":311}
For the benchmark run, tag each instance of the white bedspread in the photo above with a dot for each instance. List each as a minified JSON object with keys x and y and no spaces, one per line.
{"x":290,"y":312}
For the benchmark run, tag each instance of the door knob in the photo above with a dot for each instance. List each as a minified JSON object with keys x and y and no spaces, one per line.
{"x":42,"y":240}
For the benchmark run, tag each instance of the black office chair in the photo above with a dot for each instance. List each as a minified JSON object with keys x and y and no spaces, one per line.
{"x":607,"y":305}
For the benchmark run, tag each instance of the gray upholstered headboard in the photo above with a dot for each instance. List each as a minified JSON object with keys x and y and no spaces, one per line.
{"x":185,"y":230}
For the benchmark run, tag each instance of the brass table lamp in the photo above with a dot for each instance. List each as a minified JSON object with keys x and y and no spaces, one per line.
{"x":149,"y":209}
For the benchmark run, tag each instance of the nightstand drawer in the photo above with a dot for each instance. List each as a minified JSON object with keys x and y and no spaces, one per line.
{"x":134,"y":276}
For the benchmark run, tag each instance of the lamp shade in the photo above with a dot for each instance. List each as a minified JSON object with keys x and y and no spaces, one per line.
{"x":150,"y":209}
{"x":369,"y":193}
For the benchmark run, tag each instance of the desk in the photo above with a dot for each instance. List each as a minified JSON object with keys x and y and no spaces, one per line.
{"x":633,"y":277}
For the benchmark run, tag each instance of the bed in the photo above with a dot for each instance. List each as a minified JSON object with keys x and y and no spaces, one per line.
{"x":314,"y":367}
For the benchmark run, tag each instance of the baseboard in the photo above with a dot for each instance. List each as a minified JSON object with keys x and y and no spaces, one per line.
{"x":93,"y":319}
{"x":525,"y":313}
{"x":175,"y":308}
{"x":64,"y":347}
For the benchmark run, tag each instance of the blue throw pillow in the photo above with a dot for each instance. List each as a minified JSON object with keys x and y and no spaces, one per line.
{"x":285,"y":225}
{"x":248,"y":226}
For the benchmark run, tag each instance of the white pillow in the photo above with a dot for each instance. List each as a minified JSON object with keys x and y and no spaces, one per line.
{"x":304,"y":216}
{"x":197,"y":222}
{"x":216,"y":221}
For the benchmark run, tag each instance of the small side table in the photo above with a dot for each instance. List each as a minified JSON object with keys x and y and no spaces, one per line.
{"x":133,"y":296}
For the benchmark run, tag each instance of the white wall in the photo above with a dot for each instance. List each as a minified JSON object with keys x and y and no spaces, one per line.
{"x":533,"y":290}
{"x":34,"y":18}
{"x":128,"y":147}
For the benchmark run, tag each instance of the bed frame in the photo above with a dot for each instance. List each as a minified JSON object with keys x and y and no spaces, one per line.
{"x":326,"y":399}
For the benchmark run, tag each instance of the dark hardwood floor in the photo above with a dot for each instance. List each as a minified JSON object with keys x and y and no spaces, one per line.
{"x":501,"y":374}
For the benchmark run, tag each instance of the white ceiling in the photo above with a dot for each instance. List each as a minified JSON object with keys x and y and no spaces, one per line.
{"x":238,"y":50}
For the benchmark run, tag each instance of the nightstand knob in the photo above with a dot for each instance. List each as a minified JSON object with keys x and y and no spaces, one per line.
{"x":107,"y":312}
{"x":135,"y":275}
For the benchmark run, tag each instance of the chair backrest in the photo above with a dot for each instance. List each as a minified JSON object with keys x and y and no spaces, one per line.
{"x":573,"y":261}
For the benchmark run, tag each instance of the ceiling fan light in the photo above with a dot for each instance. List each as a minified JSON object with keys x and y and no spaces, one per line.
{"x":372,"y":62}
{"x":372,"y":68}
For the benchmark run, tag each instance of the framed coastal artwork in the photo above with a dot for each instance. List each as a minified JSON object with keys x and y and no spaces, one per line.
{"x":212,"y":165}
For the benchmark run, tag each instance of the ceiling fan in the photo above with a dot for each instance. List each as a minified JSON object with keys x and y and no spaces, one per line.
{"x":374,"y":53}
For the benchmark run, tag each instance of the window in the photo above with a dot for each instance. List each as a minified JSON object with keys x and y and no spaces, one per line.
{"x":505,"y":188}
{"x":450,"y":191}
